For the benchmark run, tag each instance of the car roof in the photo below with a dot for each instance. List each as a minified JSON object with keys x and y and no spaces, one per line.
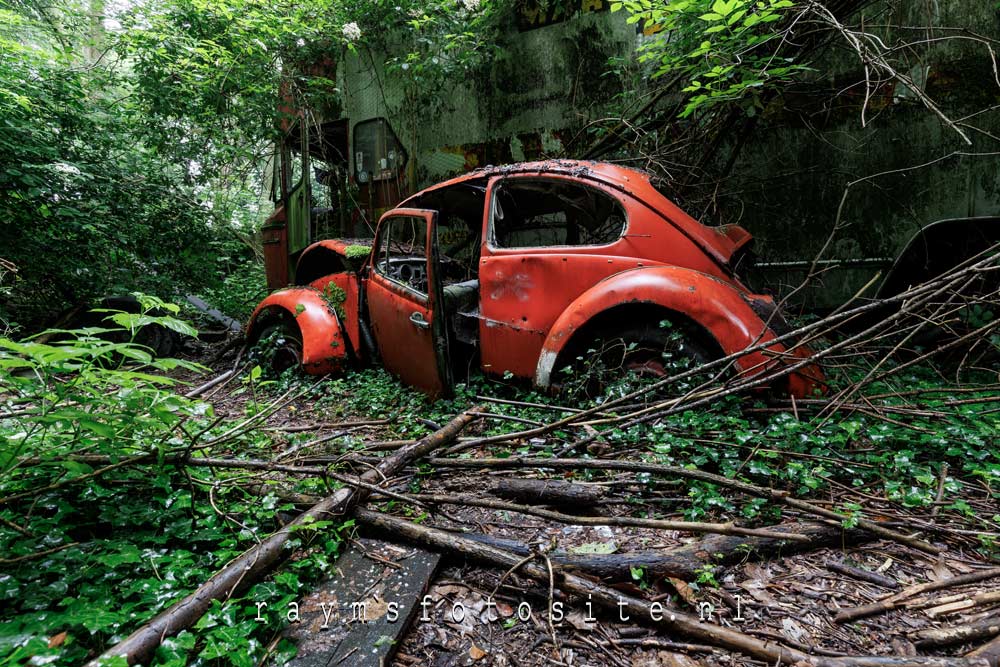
{"x":602,"y":171}
{"x":715,"y":240}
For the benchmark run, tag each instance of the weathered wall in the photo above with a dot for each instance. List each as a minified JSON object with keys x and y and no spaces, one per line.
{"x":544,"y":84}
{"x":786,"y":187}
{"x":791,"y":176}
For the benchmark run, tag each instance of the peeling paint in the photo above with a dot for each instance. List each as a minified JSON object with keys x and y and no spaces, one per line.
{"x":518,"y":286}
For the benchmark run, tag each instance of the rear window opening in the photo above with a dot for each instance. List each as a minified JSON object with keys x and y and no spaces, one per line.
{"x":538,"y":213}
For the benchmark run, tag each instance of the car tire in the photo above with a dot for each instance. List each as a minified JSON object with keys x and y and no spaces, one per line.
{"x":651,"y":350}
{"x":279,"y":347}
{"x":159,"y":340}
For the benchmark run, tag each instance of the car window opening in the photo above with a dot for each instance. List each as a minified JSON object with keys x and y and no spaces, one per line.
{"x":459,"y":238}
{"x":402,"y":252}
{"x":542,"y":213}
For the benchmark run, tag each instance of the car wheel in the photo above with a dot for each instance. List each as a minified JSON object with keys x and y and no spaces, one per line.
{"x":279,"y":347}
{"x":161,"y":341}
{"x":641,"y":352}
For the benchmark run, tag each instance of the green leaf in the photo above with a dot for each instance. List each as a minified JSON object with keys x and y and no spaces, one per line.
{"x":723,"y":8}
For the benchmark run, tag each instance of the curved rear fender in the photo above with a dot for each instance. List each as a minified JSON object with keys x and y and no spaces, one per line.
{"x":718,"y":307}
{"x":324,"y":346}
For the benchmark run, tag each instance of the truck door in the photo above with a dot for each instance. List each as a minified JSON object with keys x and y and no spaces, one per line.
{"x":404,"y":297}
{"x":297,"y":199}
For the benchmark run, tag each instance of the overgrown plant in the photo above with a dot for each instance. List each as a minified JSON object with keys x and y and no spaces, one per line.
{"x":92,"y":542}
{"x":83,"y":392}
{"x":718,"y":50}
{"x":436,"y":44}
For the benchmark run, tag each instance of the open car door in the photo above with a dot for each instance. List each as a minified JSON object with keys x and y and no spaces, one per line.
{"x":404,"y":297}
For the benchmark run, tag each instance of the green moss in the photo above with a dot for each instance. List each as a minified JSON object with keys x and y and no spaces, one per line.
{"x":356,"y":251}
{"x":334,"y":294}
{"x":336,"y":297}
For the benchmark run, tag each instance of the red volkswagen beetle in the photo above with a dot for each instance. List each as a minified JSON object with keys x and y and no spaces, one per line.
{"x":520,"y":270}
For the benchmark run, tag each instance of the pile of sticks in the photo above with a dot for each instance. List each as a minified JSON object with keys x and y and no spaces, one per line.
{"x":875,"y":341}
{"x":561,"y":572}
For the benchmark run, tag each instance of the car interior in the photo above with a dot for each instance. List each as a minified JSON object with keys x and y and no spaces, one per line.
{"x":460,"y":215}
{"x":537,"y":213}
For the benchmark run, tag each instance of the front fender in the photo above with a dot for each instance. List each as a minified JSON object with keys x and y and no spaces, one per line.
{"x":722,"y":309}
{"x":324,"y":347}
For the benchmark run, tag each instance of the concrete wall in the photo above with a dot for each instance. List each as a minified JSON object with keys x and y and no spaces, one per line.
{"x":548,"y":83}
{"x":543,"y":86}
{"x":790,"y":179}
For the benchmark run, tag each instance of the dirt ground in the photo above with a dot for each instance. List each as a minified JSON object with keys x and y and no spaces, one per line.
{"x":788,"y":598}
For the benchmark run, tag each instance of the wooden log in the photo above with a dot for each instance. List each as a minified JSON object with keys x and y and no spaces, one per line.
{"x":254,"y":562}
{"x":863,"y":575}
{"x":685,"y":561}
{"x":549,"y":492}
{"x":597,"y":520}
{"x":899,"y":599}
{"x":639,"y":610}
{"x":957,"y":634}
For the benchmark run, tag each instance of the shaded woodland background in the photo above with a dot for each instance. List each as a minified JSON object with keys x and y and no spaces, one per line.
{"x":135,"y":140}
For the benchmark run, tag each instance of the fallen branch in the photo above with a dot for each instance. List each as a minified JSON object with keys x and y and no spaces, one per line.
{"x":245,"y":569}
{"x":549,"y":492}
{"x":775,"y":495}
{"x":958,"y":634}
{"x":217,"y":380}
{"x":38,"y":554}
{"x":863,"y":575}
{"x":979,"y":599}
{"x":658,"y":524}
{"x":6,"y":500}
{"x":299,"y":428}
{"x":686,"y":561}
{"x":891,"y":602}
{"x":653,"y":613}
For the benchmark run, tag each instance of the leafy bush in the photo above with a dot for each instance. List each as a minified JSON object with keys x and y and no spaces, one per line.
{"x":91,"y":550}
{"x":86,"y":207}
{"x":721,"y":50}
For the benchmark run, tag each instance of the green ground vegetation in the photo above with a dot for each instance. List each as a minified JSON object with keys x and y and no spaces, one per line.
{"x":93,"y":548}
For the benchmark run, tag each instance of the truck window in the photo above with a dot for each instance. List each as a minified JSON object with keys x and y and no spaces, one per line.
{"x":324,"y":186}
{"x":378,"y":155}
{"x":535,"y":213}
{"x":402,"y":252}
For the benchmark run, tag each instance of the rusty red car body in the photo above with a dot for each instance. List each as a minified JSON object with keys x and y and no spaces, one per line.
{"x":512,"y":268}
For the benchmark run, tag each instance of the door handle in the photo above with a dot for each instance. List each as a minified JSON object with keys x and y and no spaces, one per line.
{"x":419,"y":321}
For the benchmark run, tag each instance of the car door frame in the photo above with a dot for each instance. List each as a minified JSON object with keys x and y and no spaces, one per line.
{"x":426,"y":365}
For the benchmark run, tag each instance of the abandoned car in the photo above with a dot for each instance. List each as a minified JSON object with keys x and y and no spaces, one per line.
{"x":520,"y":270}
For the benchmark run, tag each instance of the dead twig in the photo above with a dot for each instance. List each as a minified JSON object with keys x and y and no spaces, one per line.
{"x":774,"y":495}
{"x":138,"y":646}
{"x":891,"y":602}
